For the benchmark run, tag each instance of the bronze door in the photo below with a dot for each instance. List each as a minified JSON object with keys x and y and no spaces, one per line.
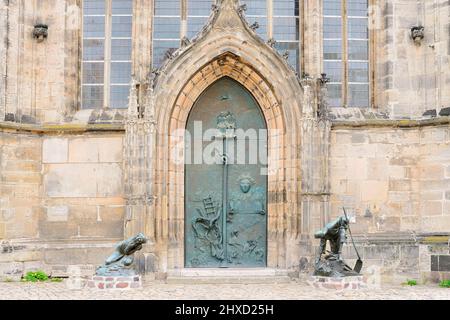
{"x":226,"y":179}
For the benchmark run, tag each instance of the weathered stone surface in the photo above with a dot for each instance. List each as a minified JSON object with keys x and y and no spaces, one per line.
{"x":36,"y":266}
{"x":83,"y":180}
{"x":89,"y":255}
{"x":55,"y":150}
{"x":11,"y":271}
{"x":57,"y":214}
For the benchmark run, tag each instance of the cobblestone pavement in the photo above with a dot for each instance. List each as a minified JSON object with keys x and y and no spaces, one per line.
{"x":285,"y":291}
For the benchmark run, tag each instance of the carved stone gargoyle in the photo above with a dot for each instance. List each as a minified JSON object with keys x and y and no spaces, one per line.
{"x":417,"y":34}
{"x":120,"y":263}
{"x":40,"y":32}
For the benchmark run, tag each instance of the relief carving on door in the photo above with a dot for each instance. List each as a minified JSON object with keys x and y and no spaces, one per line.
{"x":226,"y":215}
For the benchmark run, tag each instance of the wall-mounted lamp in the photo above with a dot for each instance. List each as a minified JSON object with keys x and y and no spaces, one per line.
{"x":417,"y":34}
{"x":40,"y":32}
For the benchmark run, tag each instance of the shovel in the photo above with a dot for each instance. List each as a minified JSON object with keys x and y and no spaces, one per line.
{"x":359,"y":263}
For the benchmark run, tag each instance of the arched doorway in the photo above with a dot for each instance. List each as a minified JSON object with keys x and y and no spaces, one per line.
{"x":226,"y":179}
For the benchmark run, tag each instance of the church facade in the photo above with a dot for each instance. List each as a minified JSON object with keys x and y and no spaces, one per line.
{"x":101,"y":102}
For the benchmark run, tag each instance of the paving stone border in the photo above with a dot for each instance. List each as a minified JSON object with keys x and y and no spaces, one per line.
{"x":345,"y":283}
{"x":114,"y":283}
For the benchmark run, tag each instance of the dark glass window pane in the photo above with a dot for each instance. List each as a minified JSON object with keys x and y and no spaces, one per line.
{"x":334,"y":94}
{"x":332,"y":49}
{"x":357,"y":28}
{"x":121,"y":49}
{"x":332,"y":28}
{"x":121,"y":26}
{"x":357,"y":8}
{"x":93,"y":72}
{"x":167,"y":7}
{"x":255,"y":7}
{"x":166,"y":28}
{"x":119,"y":96}
{"x":94,"y":7}
{"x":199,"y":7}
{"x":122,"y":6}
{"x":93,"y":50}
{"x":195,"y":24}
{"x":160,"y":48}
{"x":332,"y":7}
{"x":286,"y":7}
{"x":358,"y":72}
{"x":333,"y":69}
{"x":293,"y":49}
{"x":120,"y":72}
{"x":92,"y":97}
{"x":94,"y":27}
{"x":358,"y":50}
{"x":286,"y":28}
{"x":358,"y":95}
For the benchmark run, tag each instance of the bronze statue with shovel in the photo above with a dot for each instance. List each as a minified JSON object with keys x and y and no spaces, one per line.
{"x":333,"y":265}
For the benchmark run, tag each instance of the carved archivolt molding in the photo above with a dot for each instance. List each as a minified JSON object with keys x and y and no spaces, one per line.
{"x":226,"y":47}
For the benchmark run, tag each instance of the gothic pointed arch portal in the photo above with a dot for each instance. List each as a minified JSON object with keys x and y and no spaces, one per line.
{"x":297,"y":141}
{"x":225,"y":179}
{"x":228,"y":67}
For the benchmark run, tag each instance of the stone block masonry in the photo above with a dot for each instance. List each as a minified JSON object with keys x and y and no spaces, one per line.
{"x":68,"y":193}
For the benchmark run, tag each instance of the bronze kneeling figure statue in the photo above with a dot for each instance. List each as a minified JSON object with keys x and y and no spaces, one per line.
{"x":333,"y":265}
{"x":120,"y":263}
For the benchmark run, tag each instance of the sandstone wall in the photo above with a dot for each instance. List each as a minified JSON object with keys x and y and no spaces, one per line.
{"x":412,"y":78}
{"x":61,"y":198}
{"x":396,"y":182}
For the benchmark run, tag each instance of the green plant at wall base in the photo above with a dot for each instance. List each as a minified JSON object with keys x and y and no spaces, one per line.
{"x":411,"y":282}
{"x":56,"y":279}
{"x":35,"y":276}
{"x":445,"y":284}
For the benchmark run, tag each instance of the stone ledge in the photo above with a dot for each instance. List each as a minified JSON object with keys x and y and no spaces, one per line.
{"x":406,"y":123}
{"x":344,"y":283}
{"x":61,"y":128}
{"x":114,"y":283}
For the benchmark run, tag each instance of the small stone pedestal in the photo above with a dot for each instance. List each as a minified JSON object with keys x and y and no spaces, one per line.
{"x":114,"y":282}
{"x":334,"y":283}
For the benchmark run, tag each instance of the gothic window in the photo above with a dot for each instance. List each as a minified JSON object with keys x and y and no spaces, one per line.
{"x":257,"y":12}
{"x":106,"y":70}
{"x":346,"y":52}
{"x":166,"y":29}
{"x":278,"y":19}
{"x":198,"y":12}
{"x":286,"y":28}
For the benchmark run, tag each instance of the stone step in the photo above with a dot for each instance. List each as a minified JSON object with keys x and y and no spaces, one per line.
{"x":227,"y":276}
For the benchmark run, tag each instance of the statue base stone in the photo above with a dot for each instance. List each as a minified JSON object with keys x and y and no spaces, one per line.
{"x":338,"y":283}
{"x":114,"y":282}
